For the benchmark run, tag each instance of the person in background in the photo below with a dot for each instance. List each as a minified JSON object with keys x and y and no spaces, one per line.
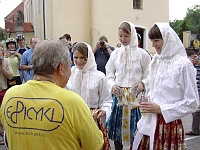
{"x":67,"y":38}
{"x":26,"y":60}
{"x":21,"y":49}
{"x":14,"y":59}
{"x":125,"y":70}
{"x":140,"y":45}
{"x":195,"y":59}
{"x":118,"y":45}
{"x":21,"y":44}
{"x":90,"y":83}
{"x":6,"y":73}
{"x":50,"y":117}
{"x":139,"y":40}
{"x":102,"y":53}
{"x":172,"y":93}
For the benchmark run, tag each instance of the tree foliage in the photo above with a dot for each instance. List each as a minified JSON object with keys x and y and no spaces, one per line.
{"x":193,"y":19}
{"x":2,"y":35}
{"x":183,"y":27}
{"x":176,"y":25}
{"x":191,"y":22}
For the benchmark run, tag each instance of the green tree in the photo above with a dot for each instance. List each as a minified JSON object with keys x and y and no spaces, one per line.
{"x":191,"y":22}
{"x":176,"y":25}
{"x":193,"y":19}
{"x":2,"y":35}
{"x":183,"y":27}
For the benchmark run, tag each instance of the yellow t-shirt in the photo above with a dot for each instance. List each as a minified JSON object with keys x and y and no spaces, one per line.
{"x":39,"y":115}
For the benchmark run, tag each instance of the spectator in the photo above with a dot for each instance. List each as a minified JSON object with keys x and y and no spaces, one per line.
{"x":49,"y":117}
{"x":26,"y":61}
{"x":172,"y":93}
{"x":196,"y":115}
{"x":67,"y":38}
{"x":125,"y":70}
{"x":6,"y":73}
{"x":14,"y":60}
{"x":118,"y":45}
{"x":90,"y":84}
{"x":21,"y":44}
{"x":139,"y":45}
{"x":102,"y":53}
{"x":21,"y":49}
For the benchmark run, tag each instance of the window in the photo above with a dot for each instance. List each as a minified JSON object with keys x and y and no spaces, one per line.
{"x":137,"y":4}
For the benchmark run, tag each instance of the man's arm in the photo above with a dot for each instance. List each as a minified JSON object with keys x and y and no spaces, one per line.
{"x":108,"y":48}
{"x":26,"y":67}
{"x":96,"y":47}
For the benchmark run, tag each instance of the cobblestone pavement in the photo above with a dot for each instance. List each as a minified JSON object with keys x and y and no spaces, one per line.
{"x":192,"y":142}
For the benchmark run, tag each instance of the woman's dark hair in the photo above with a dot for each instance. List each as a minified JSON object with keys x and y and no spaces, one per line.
{"x":154,"y":33}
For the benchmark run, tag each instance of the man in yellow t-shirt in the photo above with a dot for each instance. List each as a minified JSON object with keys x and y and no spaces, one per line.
{"x":41,"y":115}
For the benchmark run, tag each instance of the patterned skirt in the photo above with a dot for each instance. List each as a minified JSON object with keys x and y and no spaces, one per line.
{"x":168,"y":136}
{"x":114,"y":123}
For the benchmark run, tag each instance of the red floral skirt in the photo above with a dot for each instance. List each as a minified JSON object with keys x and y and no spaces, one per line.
{"x":168,"y":136}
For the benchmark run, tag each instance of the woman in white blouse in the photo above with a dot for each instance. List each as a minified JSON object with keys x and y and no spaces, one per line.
{"x":90,"y":83}
{"x":172,"y":91}
{"x":127,"y":66}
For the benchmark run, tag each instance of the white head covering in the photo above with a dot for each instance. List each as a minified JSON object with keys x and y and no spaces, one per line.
{"x":128,"y":54}
{"x":77,"y":75}
{"x":172,"y":47}
{"x":172,"y":44}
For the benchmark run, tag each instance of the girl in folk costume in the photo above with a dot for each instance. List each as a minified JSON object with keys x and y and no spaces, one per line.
{"x":91,"y":85}
{"x":172,"y":92}
{"x":126,"y":68}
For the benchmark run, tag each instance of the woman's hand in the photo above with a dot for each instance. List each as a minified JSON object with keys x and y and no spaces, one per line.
{"x":98,"y":113}
{"x":150,"y":107}
{"x":115,"y":90}
{"x":101,"y":113}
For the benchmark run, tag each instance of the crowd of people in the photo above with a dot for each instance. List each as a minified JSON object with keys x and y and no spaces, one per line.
{"x":63,"y":95}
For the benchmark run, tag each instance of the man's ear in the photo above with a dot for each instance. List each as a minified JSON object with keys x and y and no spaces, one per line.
{"x":60,"y":68}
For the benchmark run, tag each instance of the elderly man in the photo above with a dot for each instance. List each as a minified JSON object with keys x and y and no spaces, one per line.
{"x":40,"y":114}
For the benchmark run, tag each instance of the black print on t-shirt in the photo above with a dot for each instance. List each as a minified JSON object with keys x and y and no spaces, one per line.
{"x":44,"y":114}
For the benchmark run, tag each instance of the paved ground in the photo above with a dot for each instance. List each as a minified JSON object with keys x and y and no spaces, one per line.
{"x":192,"y":142}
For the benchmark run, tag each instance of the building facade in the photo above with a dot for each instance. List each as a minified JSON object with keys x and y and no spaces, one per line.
{"x":87,"y":20}
{"x":14,"y":24}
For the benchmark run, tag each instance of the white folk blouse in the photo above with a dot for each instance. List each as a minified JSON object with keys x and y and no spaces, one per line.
{"x":171,"y":83}
{"x":128,"y":65}
{"x":133,"y":73}
{"x":91,"y":85}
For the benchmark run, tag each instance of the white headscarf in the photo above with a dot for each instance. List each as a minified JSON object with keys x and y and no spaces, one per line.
{"x":128,"y":54}
{"x":77,"y":75}
{"x":172,"y":47}
{"x":172,"y":44}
